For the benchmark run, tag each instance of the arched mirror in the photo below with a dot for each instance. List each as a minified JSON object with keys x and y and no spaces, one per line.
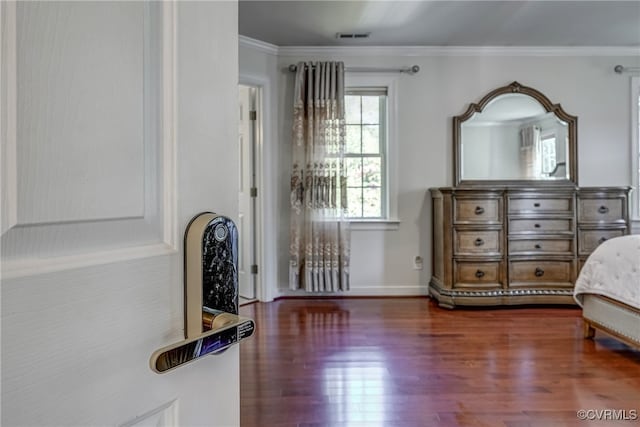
{"x":515,"y":135}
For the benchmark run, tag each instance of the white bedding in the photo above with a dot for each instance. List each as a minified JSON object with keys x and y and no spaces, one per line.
{"x":612,"y":270}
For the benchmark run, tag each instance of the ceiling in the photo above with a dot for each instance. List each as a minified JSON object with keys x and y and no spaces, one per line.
{"x":443,"y":23}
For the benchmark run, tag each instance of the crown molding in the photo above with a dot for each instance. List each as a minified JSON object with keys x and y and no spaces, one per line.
{"x":364,"y":51}
{"x":360,"y":51}
{"x":265,"y":47}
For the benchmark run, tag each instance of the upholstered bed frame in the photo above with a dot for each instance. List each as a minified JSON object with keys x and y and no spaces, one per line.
{"x":612,"y":317}
{"x":608,"y":289}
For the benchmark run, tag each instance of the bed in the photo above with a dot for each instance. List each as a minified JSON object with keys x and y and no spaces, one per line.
{"x":608,"y":290}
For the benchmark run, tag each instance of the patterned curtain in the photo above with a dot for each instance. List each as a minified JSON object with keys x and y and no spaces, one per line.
{"x":320,"y":242}
{"x":531,"y":152}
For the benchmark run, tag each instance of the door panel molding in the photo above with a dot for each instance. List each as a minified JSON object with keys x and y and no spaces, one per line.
{"x":8,"y":85}
{"x":163,"y":416}
{"x":79,"y":238}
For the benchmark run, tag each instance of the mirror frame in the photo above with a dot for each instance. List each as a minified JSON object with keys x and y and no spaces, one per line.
{"x":515,"y":87}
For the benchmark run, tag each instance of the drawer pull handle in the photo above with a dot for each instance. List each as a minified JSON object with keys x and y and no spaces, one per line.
{"x":479,"y":274}
{"x":537,"y":246}
{"x":539,"y":272}
{"x":603,"y":209}
{"x":536,"y":205}
{"x":479,"y":210}
{"x":602,"y":240}
{"x":536,"y":225}
{"x":479,"y":242}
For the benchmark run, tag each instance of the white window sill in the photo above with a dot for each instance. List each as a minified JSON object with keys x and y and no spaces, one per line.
{"x":374,"y":224}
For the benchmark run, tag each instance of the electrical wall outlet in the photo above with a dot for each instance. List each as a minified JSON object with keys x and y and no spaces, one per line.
{"x":417,"y":263}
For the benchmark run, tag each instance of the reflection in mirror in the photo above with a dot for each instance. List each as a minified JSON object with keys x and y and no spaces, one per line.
{"x":514,"y":138}
{"x":515,"y":135}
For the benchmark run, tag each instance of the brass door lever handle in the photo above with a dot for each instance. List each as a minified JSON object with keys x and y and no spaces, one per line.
{"x":211,"y":316}
{"x":213,"y":341}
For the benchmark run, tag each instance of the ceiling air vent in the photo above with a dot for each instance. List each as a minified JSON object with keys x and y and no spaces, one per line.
{"x":352,"y":35}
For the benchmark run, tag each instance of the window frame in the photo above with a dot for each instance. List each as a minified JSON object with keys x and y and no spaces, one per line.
{"x":355,"y":80}
{"x":635,"y":151}
{"x":543,"y":138}
{"x":383,"y":136}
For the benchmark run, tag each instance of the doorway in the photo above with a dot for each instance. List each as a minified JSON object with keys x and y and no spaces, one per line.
{"x":248,"y":136}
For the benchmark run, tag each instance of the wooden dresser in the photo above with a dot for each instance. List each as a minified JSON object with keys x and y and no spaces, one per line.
{"x":515,"y":227}
{"x":603,"y":213}
{"x":510,"y":245}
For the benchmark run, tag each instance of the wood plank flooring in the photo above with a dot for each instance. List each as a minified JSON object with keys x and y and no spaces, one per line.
{"x":406,"y":362}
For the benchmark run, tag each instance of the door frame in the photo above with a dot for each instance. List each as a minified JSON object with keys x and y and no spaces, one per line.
{"x":265,"y":218}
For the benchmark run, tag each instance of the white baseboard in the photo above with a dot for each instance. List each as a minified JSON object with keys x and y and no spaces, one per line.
{"x":372,"y":291}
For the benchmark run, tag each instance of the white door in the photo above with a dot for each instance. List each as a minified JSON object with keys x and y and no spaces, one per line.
{"x":118,"y":121}
{"x":246,"y":200}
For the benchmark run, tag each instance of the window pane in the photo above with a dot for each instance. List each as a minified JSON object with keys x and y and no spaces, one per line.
{"x":354,"y":173}
{"x":365,"y":119}
{"x":353,"y":139}
{"x":548,"y":154}
{"x":354,"y":200}
{"x":370,"y":139}
{"x":372,"y":202}
{"x":372,"y":172}
{"x":352,"y":109}
{"x":370,"y":110}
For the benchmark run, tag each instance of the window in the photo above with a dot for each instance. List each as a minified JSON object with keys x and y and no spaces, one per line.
{"x":635,"y":147}
{"x":372,"y":168}
{"x":548,"y":154}
{"x":365,"y":154}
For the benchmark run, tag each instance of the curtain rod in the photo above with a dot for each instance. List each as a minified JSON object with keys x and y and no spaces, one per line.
{"x":622,"y":69}
{"x":409,"y":70}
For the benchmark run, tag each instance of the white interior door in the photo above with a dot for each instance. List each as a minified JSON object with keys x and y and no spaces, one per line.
{"x":246,"y":201}
{"x":117,"y":120}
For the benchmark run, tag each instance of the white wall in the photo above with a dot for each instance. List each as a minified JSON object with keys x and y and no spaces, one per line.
{"x":585,"y":86}
{"x":494,"y":153}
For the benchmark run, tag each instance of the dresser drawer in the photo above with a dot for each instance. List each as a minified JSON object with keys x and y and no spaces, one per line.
{"x":602,"y":210}
{"x":541,"y":246}
{"x":477,"y":211}
{"x":520,"y":205}
{"x":477,"y":242}
{"x":588,"y":240}
{"x":527,"y":272}
{"x":540,"y":225}
{"x":476,"y":274}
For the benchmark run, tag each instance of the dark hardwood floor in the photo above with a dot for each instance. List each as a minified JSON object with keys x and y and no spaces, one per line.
{"x":406,"y":362}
